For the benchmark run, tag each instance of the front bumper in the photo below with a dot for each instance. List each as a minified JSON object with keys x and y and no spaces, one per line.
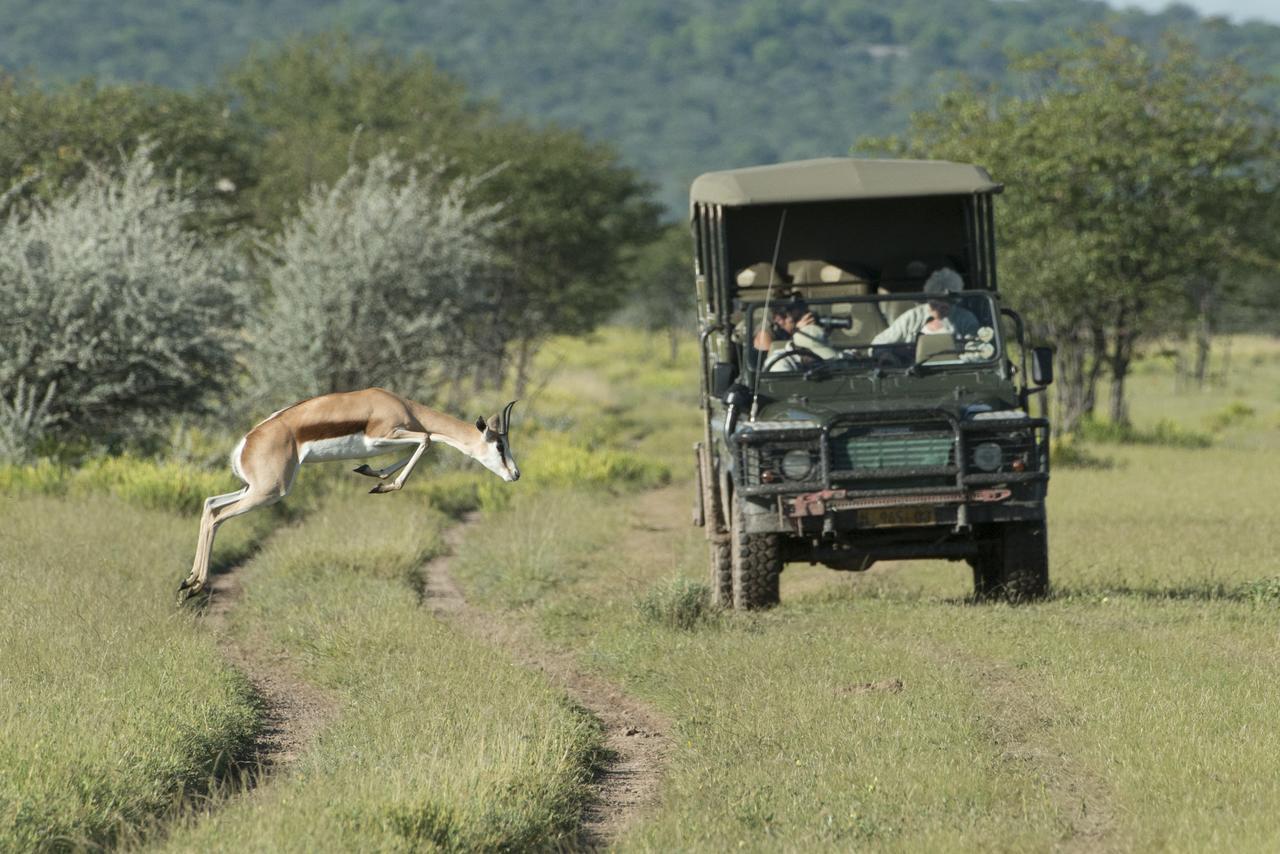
{"x":835,"y":499}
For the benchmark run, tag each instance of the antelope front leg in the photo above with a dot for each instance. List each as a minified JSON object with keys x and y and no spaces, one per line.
{"x":398,"y":483}
{"x":382,"y":474}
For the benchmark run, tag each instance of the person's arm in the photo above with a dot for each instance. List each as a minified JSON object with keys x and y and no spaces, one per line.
{"x":898,"y":332}
{"x":811,"y":336}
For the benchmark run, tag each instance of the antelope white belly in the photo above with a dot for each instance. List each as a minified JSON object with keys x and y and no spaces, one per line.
{"x":357,"y":446}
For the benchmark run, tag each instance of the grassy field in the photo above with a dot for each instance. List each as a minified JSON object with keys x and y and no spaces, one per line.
{"x":439,"y":742}
{"x":1133,"y":710}
{"x":113,"y":705}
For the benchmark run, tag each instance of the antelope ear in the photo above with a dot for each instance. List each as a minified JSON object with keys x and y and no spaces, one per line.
{"x":480,"y":425}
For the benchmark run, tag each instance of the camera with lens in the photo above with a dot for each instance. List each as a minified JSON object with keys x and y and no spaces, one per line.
{"x":835,"y":322}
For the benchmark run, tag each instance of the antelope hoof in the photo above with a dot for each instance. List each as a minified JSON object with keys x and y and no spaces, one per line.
{"x":382,"y":487}
{"x":365,"y":470}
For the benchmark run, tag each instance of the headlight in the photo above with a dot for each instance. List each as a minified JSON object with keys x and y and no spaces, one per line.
{"x":797,"y":464}
{"x":987,"y":456}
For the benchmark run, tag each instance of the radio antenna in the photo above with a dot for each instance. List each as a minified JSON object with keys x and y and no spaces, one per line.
{"x":768,"y":295}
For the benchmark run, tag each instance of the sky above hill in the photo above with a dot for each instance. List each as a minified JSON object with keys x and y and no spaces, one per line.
{"x":1235,"y":10}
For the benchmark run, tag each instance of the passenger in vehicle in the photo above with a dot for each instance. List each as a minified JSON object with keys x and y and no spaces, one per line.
{"x":936,"y":315}
{"x":793,"y":325}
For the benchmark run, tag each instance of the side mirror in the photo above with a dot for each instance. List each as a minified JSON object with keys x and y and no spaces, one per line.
{"x":722,"y":377}
{"x":1042,"y":365}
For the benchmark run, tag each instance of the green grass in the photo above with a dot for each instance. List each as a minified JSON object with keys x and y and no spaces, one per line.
{"x":1133,"y":711}
{"x":439,"y":741}
{"x":113,"y":703}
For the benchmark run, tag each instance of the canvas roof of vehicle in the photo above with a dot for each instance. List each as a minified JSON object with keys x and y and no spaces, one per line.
{"x":833,"y":178}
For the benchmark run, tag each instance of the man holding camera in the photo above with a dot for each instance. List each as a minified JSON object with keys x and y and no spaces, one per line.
{"x":794,"y":323}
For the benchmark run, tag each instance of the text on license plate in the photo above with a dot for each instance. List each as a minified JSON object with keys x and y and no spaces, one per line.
{"x":884,"y":517}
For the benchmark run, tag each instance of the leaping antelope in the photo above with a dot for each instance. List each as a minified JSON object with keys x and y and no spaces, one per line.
{"x":351,"y":425}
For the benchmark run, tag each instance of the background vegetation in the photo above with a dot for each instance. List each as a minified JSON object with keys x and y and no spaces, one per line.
{"x":177,"y":262}
{"x":681,"y":88}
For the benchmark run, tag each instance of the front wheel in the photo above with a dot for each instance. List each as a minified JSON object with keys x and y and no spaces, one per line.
{"x":721,"y":574}
{"x":1013,"y":565}
{"x":756,"y":563}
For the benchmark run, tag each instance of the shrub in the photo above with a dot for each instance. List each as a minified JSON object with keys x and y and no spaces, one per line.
{"x":677,"y":603}
{"x":114,"y":311}
{"x":377,"y":281}
{"x":1066,"y":452}
{"x":1165,"y":432}
{"x":1233,"y":414}
{"x":556,"y":462}
{"x":24,"y":420}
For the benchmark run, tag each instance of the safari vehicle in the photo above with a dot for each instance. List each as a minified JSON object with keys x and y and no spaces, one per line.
{"x":881,"y":444}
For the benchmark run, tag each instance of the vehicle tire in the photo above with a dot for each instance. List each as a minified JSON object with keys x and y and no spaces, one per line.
{"x":756,"y":561}
{"x":721,"y":579}
{"x":1013,"y":564}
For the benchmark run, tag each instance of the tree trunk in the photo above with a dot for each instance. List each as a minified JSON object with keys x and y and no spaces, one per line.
{"x":1204,"y":336}
{"x":1121,"y":359}
{"x":524,"y":355}
{"x":1069,"y":387}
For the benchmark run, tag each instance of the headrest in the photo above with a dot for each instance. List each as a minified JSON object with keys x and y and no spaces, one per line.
{"x":759,"y":275}
{"x":815,"y":272}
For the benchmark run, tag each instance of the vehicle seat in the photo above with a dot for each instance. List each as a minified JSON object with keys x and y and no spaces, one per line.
{"x":929,"y":343}
{"x":893,"y":309}
{"x":867,"y":323}
{"x":758,"y":275}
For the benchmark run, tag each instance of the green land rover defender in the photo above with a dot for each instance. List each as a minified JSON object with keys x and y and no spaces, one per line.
{"x":865,"y":394}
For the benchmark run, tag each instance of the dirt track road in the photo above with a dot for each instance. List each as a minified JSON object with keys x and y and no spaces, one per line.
{"x":637,"y":744}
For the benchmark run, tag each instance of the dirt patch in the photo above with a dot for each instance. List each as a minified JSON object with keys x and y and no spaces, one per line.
{"x":293,"y":711}
{"x":636,"y":744}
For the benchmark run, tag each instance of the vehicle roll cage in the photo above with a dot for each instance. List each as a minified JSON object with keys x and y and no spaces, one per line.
{"x":717,"y":289}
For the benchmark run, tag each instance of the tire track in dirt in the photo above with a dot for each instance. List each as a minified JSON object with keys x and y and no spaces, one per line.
{"x":1017,"y":720}
{"x":293,"y":712}
{"x":637,"y":747}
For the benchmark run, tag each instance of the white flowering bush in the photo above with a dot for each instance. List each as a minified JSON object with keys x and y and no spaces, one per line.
{"x":114,"y":316}
{"x":384,"y":279}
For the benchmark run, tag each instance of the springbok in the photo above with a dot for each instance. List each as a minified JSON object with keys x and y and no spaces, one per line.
{"x":351,"y":425}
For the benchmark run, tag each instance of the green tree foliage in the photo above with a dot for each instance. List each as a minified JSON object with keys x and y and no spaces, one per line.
{"x":1130,"y":173}
{"x":681,"y":87}
{"x":571,"y":208}
{"x":50,"y":138}
{"x":114,"y":311}
{"x":660,"y":275}
{"x":383,"y":279}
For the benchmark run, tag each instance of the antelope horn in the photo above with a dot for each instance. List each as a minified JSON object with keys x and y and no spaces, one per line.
{"x":506,"y":417}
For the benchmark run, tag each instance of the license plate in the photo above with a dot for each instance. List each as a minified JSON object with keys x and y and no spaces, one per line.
{"x":887,"y":517}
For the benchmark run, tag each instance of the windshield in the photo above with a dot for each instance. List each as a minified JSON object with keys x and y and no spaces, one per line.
{"x":897,"y":331}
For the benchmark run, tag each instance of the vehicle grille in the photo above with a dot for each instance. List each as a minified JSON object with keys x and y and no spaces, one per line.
{"x":863,"y":450}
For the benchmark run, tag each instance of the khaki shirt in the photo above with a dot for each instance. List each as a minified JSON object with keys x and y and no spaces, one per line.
{"x":960,"y":322}
{"x":812,"y":338}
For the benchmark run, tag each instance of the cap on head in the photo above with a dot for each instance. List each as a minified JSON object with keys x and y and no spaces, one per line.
{"x":944,"y":281}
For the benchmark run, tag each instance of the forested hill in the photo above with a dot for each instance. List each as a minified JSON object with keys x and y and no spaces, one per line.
{"x":681,"y":86}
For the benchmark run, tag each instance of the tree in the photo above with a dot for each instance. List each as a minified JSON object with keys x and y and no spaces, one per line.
{"x":1128,"y":174}
{"x":570,"y":208}
{"x":51,"y":138}
{"x":116,"y":314}
{"x":385,"y":278}
{"x":661,"y":286}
